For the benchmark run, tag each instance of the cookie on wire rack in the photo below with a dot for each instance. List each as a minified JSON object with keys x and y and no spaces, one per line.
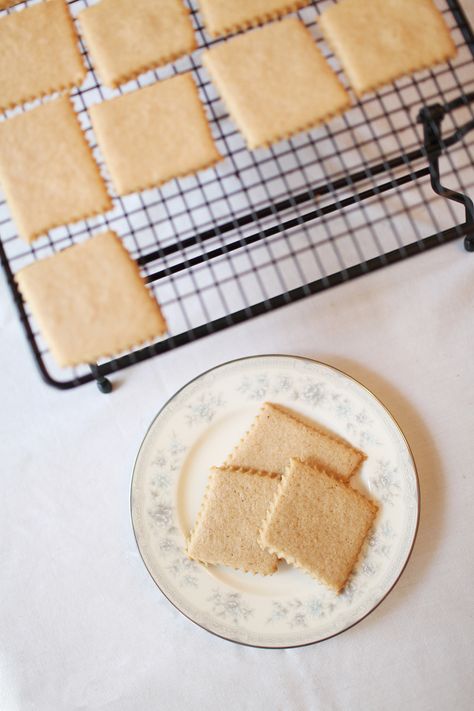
{"x":47,"y":170}
{"x":275,"y":82}
{"x":223,"y":17}
{"x":90,"y":301}
{"x":231,"y":514}
{"x":318,"y":523}
{"x":278,"y":434}
{"x":39,"y":53}
{"x":128,"y":37}
{"x":378,"y":41}
{"x":154,"y":134}
{"x":8,"y":3}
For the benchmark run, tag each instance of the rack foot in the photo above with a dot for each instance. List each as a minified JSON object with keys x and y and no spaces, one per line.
{"x":469,"y":243}
{"x":104,"y":385}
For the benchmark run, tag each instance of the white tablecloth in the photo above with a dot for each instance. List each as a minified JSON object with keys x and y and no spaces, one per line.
{"x":82,"y":625}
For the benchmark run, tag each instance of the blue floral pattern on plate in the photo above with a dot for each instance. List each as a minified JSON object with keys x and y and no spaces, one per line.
{"x":208,"y":416}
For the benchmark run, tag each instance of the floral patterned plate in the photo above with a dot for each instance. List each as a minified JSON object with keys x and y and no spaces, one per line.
{"x":196,"y":429}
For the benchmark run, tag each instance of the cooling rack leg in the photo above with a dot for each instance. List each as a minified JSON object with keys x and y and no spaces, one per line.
{"x":104,"y":385}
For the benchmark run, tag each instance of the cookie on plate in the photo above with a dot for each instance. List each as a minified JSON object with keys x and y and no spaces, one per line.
{"x":378,"y":41}
{"x":277,"y":434}
{"x":231,"y":514}
{"x":319,"y":523}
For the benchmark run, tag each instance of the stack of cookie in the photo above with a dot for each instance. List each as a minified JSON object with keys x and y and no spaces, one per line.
{"x":284,"y":493}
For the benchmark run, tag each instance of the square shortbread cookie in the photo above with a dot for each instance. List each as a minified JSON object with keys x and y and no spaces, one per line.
{"x":154,"y":134}
{"x":7,"y":3}
{"x":128,"y":37}
{"x":39,"y":53}
{"x":318,"y":523}
{"x":224,"y":16}
{"x":90,"y":301}
{"x":234,"y":507}
{"x":276,"y":435}
{"x":275,"y":82}
{"x":378,"y":41}
{"x":47,"y":171}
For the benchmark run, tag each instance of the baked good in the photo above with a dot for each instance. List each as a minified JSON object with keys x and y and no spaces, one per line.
{"x":319,"y":523}
{"x":8,"y":3}
{"x":154,"y":134}
{"x":128,"y":37}
{"x":39,"y":53}
{"x":275,"y":82}
{"x":278,"y":434}
{"x":90,"y":301}
{"x":222,"y":17}
{"x":232,"y":511}
{"x":378,"y":41}
{"x":47,"y":170}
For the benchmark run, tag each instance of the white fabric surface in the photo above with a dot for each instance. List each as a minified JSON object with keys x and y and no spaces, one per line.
{"x":82,"y":625}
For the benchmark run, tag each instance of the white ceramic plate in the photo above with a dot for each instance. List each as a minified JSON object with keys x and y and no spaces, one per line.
{"x":197,"y":428}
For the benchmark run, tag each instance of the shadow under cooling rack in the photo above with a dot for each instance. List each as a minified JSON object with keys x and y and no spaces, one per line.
{"x":266,"y":228}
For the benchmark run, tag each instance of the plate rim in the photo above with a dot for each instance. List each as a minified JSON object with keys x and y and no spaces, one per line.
{"x":417,"y":482}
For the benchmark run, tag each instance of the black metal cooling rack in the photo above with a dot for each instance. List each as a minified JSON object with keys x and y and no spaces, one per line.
{"x":269,"y":227}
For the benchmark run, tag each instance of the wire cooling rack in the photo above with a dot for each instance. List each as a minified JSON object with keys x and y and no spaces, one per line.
{"x":265,"y":228}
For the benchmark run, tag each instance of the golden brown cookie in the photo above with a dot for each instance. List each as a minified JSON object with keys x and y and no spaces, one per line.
{"x":275,"y":82}
{"x":277,"y":434}
{"x":378,"y":41}
{"x":318,"y":523}
{"x":90,"y":301}
{"x":39,"y":53}
{"x":154,"y":134}
{"x":128,"y":37}
{"x":228,"y":523}
{"x":47,"y":171}
{"x":225,"y":16}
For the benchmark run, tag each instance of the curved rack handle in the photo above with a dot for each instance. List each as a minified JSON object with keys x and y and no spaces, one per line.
{"x":431,"y":117}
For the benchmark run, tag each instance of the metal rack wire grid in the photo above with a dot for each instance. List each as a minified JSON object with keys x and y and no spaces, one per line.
{"x":265,"y":228}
